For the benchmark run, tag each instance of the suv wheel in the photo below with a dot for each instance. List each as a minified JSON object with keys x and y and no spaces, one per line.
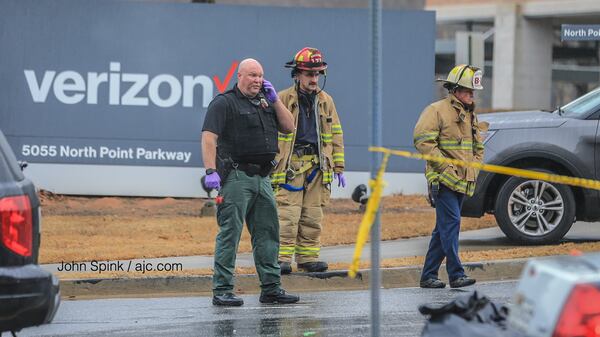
{"x":534,"y":211}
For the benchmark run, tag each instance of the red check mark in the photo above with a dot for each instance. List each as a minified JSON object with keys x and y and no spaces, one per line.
{"x":222,"y":86}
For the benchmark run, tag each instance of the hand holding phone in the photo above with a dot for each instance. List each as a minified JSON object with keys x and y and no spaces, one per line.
{"x":269,"y":91}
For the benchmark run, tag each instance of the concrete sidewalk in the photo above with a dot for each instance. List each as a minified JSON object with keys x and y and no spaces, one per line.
{"x":484,"y":239}
{"x":296,"y":282}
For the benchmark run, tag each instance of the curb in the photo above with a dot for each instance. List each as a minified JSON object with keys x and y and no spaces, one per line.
{"x":400,"y":277}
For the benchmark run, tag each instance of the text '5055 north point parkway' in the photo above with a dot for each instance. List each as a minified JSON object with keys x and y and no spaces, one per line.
{"x":103,"y":152}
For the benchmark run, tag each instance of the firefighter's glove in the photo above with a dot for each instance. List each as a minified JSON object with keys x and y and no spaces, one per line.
{"x":341,"y":179}
{"x":434,"y":190}
{"x":213,"y":181}
{"x":270,"y":92}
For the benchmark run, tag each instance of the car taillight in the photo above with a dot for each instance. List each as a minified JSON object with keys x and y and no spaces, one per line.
{"x":16,"y":221}
{"x":580,"y":316}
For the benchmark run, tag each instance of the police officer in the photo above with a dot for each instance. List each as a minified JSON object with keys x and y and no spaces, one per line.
{"x":309,"y":158}
{"x":449,"y":128}
{"x":239,"y":143}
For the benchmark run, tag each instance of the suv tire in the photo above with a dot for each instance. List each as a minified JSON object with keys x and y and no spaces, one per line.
{"x":529,"y":217}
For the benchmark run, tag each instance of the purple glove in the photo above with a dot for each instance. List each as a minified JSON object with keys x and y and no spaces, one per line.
{"x":270,"y":92}
{"x":212,"y":181}
{"x":341,"y":179}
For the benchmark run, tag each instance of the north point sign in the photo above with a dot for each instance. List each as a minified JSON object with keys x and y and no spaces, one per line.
{"x":131,"y":89}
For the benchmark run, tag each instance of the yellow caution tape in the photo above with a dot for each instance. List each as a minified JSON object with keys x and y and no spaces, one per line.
{"x":511,"y":171}
{"x":378,"y":184}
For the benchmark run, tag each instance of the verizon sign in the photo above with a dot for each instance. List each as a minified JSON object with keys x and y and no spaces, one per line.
{"x":95,"y":88}
{"x":134,"y":89}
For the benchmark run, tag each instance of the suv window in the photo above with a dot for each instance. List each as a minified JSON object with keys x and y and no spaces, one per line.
{"x":583,"y":106}
{"x":9,"y":169}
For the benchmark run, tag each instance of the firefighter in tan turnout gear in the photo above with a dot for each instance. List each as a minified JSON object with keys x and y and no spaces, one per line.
{"x":449,"y":128}
{"x":308,"y":161}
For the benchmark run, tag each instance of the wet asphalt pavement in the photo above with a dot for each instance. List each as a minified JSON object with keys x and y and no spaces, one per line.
{"x":344,"y":313}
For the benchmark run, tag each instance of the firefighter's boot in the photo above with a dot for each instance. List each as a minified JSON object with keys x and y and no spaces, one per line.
{"x":286,"y":267}
{"x":313,"y":267}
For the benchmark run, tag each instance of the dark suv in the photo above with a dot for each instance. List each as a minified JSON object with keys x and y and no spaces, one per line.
{"x":564,"y":142}
{"x":29,"y":296}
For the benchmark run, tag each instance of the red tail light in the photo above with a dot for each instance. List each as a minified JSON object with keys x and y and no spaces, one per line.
{"x":16,"y":221}
{"x":581,"y":314}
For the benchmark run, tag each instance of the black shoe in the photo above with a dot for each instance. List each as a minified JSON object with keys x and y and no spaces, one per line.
{"x":432,"y":283}
{"x":313,"y":267}
{"x":286,"y":267}
{"x":278,"y":297}
{"x":462,"y":282}
{"x":227,"y":299}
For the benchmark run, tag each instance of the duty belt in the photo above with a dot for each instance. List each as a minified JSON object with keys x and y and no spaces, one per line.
{"x":252,"y":169}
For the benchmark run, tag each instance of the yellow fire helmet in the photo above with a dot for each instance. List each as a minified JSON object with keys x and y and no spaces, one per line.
{"x":464,"y":75}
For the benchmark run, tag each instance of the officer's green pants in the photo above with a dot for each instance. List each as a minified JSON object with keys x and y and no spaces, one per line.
{"x":248,"y":199}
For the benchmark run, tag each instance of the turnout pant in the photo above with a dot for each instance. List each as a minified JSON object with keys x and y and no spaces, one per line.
{"x":251,"y":200}
{"x":444,"y":239}
{"x":300,"y":217}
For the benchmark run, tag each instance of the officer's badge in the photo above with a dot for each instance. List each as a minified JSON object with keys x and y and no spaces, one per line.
{"x":263,"y":103}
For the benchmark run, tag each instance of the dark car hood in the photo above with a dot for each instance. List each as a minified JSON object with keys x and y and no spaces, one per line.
{"x":522,"y":120}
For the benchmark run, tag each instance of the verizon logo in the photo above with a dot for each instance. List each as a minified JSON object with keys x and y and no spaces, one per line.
{"x":71,"y":87}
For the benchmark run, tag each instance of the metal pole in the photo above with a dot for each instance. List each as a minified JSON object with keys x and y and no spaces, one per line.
{"x":375,"y":18}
